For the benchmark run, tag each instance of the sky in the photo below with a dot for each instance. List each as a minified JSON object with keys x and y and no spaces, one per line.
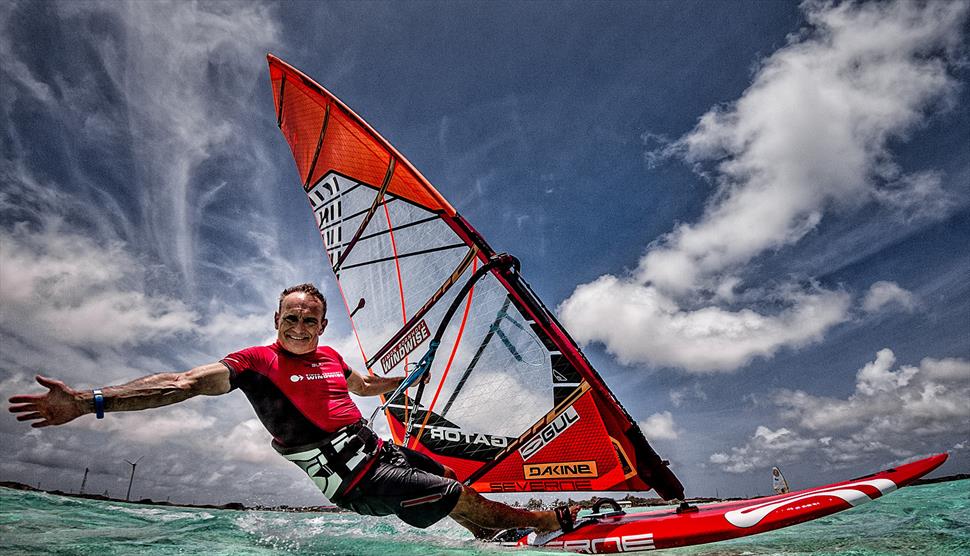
{"x":753,"y":216}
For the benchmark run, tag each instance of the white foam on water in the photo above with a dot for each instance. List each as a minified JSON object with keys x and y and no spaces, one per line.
{"x":163,"y":515}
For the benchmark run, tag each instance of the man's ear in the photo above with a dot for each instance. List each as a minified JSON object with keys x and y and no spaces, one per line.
{"x":323,"y":326}
{"x":276,"y":321}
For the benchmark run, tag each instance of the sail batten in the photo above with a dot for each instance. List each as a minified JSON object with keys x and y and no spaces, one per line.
{"x":405,"y":255}
{"x":515,"y":402}
{"x":378,"y":200}
{"x":279,"y":102}
{"x":316,"y":153}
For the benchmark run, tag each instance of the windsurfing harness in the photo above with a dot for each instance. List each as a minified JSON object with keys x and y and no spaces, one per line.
{"x":337,"y":463}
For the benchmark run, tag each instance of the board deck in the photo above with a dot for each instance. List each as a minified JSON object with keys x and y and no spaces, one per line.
{"x":727,"y":520}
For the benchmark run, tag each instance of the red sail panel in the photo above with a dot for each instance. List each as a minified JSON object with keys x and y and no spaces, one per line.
{"x":349,"y":147}
{"x":550,"y":460}
{"x":507,"y":376}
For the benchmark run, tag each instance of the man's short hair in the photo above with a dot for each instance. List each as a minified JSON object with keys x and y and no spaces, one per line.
{"x":308,"y":289}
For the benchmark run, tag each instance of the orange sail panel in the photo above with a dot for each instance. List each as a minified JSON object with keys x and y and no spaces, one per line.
{"x":516,"y":407}
{"x":348,"y":146}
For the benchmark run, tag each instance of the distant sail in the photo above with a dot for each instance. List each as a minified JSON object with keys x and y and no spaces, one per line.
{"x":513,"y":405}
{"x":778,"y":482}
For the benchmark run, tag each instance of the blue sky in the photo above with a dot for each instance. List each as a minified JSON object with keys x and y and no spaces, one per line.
{"x":755,"y":216}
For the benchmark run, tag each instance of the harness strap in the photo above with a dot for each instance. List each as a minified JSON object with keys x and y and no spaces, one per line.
{"x":335,"y":461}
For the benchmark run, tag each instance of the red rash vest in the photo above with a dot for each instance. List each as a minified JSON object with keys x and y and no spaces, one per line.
{"x":300,"y":399}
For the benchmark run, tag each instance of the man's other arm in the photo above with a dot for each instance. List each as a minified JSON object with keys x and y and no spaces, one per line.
{"x":373,"y":385}
{"x":62,"y":404}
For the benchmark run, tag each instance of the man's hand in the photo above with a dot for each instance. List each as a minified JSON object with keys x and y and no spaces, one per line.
{"x":373,"y":385}
{"x":61,"y":404}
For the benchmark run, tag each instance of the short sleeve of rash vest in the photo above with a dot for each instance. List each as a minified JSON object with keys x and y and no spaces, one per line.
{"x":245,"y":360}
{"x":343,"y":364}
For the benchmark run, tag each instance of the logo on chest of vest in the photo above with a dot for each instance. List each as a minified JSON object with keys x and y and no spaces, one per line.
{"x":320,"y":376}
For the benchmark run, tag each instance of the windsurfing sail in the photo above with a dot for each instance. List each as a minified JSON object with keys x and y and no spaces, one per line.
{"x":778,"y":482}
{"x":512,"y":405}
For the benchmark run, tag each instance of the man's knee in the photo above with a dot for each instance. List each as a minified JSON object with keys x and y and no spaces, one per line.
{"x":466,"y":501}
{"x":449,"y":473}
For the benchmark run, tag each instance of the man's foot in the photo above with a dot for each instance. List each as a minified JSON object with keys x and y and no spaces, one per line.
{"x":561,"y":519}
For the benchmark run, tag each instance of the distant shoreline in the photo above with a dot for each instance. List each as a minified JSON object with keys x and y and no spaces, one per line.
{"x":149,"y":502}
{"x":633,"y":500}
{"x":948,"y":478}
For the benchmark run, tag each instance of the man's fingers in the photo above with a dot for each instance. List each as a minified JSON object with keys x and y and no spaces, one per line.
{"x":41,"y":424}
{"x":24,"y":399}
{"x":22,"y":408}
{"x":29,"y":416}
{"x":47,"y":382}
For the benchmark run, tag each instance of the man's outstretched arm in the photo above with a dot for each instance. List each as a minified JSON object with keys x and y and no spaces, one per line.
{"x":62,"y":404}
{"x":373,"y":385}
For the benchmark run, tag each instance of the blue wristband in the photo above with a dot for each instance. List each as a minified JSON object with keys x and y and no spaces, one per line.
{"x":99,"y":404}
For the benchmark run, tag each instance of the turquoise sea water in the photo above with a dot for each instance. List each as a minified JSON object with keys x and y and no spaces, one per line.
{"x":930,"y":519}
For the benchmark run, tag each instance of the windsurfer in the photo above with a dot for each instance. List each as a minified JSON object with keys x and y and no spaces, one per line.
{"x":300,"y":392}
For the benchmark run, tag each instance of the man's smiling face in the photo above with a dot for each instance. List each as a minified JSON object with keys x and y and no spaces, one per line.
{"x":300,"y":322}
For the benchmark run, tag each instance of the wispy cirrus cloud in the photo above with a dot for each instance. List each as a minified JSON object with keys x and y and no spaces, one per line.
{"x":812,"y":134}
{"x":149,"y":110}
{"x":182,"y":109}
{"x":694,"y":392}
{"x":105,"y":236}
{"x":130,"y":157}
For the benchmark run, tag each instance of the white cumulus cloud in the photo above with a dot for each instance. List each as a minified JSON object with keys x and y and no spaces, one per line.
{"x":812,"y":131}
{"x":931,"y":398}
{"x":882,"y":294}
{"x":248,"y":441}
{"x":659,"y":426}
{"x":810,"y":135}
{"x":765,"y":449}
{"x":639,"y":323}
{"x":895,"y":411}
{"x":74,"y":289}
{"x":158,"y":426}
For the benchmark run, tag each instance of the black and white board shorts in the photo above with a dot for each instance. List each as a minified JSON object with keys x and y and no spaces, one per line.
{"x":406,"y":483}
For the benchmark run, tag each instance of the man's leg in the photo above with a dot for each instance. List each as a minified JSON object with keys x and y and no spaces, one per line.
{"x":478,"y":531}
{"x":483,"y":517}
{"x":487,"y":514}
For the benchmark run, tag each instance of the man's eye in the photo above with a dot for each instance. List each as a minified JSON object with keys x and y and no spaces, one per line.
{"x":291,"y":319}
{"x":310,"y":322}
